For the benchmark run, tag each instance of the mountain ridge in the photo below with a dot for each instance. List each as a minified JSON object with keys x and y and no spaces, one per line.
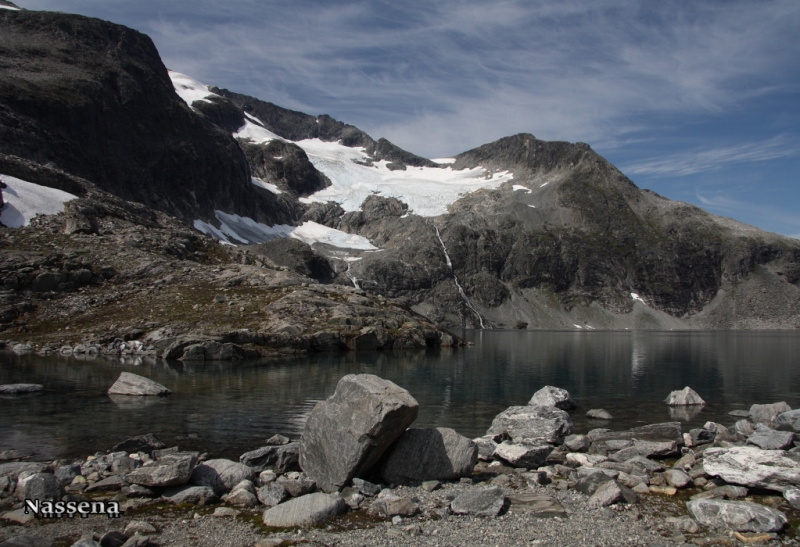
{"x":518,"y":232}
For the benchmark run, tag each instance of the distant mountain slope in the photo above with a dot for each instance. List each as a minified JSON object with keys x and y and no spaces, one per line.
{"x":519,"y":232}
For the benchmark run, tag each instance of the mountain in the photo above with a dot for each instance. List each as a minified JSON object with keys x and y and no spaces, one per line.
{"x":516,"y":233}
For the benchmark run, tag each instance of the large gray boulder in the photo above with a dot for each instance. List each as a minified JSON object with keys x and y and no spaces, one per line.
{"x":133,"y":384}
{"x":769,"y":439}
{"x":740,"y":516}
{"x":18,"y":389}
{"x":437,"y":453}
{"x":305,"y":511}
{"x":481,"y":502}
{"x":788,"y":421}
{"x":279,"y":458}
{"x":532,"y":423}
{"x":349,"y":432}
{"x":171,"y":470}
{"x":553,"y":396}
{"x":221,"y":475}
{"x":39,"y":486}
{"x":684,"y":397}
{"x":766,"y":414}
{"x":753,"y":467}
{"x":527,"y":455}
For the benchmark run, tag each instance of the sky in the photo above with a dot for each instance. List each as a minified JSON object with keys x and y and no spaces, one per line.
{"x":697,"y":101}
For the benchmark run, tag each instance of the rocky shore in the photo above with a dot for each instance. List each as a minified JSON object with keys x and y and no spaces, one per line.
{"x":361,"y":475}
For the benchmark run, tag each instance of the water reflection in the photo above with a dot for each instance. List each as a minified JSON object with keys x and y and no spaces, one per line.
{"x":230,"y":408}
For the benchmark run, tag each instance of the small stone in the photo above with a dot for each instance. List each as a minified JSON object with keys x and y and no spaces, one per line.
{"x":224,"y":512}
{"x":430,"y":486}
{"x":139,"y":527}
{"x":305,"y":511}
{"x":481,"y":502}
{"x":367,"y":488}
{"x":792,"y":495}
{"x":677,"y":478}
{"x":611,"y":493}
{"x":272,"y":494}
{"x":391,"y":505}
{"x":599,"y":414}
{"x":665,"y":490}
{"x":113,"y":538}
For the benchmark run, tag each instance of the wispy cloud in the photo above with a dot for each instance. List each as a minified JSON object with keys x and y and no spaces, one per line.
{"x":758,"y":213}
{"x":689,"y":163}
{"x":441,"y":77}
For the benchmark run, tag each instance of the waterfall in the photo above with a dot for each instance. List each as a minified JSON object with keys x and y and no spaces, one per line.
{"x":350,"y":276}
{"x":455,"y":278}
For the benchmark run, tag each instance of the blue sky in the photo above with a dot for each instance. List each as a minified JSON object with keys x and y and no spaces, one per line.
{"x":698,"y":101}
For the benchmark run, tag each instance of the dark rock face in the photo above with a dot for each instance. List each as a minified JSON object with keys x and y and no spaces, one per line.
{"x":286,"y":165}
{"x":297,"y":256}
{"x":296,"y":126}
{"x":94,"y":99}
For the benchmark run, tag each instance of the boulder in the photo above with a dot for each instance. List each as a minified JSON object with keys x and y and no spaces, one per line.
{"x":677,"y":478}
{"x":740,"y":516}
{"x":486,"y":446}
{"x":481,"y":502}
{"x":766,"y":414}
{"x":272,"y":494}
{"x":684,"y":397}
{"x":437,"y":453}
{"x":599,"y":414}
{"x":298,"y":487}
{"x":529,"y":423}
{"x":394,"y":506}
{"x":133,"y":384}
{"x":19,"y":389}
{"x":197,"y":495}
{"x":588,"y":484}
{"x":221,"y":475}
{"x":305,"y":511}
{"x":349,"y":432}
{"x":242,"y":495}
{"x":279,"y":458}
{"x":171,"y":470}
{"x":754,"y":467}
{"x":367,"y":488}
{"x":788,"y":421}
{"x":553,"y":396}
{"x":39,"y":486}
{"x":527,"y":455}
{"x":612,"y":492}
{"x":141,"y":443}
{"x":792,"y":495}
{"x":577,"y":443}
{"x":66,"y":473}
{"x":769,"y":439}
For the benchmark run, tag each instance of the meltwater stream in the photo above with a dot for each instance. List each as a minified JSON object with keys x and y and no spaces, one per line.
{"x":230,"y":408}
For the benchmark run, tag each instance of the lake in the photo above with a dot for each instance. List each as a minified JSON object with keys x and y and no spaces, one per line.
{"x":230,"y":408}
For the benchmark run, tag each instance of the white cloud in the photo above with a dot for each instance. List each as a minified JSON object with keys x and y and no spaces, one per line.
{"x":688,"y":163}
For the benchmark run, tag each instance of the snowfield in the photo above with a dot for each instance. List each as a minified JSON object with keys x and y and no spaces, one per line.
{"x":24,"y":200}
{"x":427,"y":191}
{"x":243,"y":230}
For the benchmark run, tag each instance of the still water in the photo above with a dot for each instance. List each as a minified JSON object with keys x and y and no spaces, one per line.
{"x":227,"y":409}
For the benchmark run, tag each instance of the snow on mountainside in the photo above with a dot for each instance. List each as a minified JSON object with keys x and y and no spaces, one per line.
{"x":354,"y":177}
{"x":24,"y":200}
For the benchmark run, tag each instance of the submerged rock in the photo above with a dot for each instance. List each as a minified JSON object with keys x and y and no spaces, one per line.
{"x":19,"y":389}
{"x":133,"y":384}
{"x":599,"y":414}
{"x":684,"y":397}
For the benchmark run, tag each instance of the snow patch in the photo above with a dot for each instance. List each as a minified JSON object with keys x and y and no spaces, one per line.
{"x":444,"y":161}
{"x":534,"y":206}
{"x":427,"y":191}
{"x":577,"y":326}
{"x":305,"y":200}
{"x":247,"y":231}
{"x":189,"y":89}
{"x":544,"y":184}
{"x":10,"y":7}
{"x":254,"y":132}
{"x":266,"y":185}
{"x":637,"y":297}
{"x":24,"y":200}
{"x":520,"y":187}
